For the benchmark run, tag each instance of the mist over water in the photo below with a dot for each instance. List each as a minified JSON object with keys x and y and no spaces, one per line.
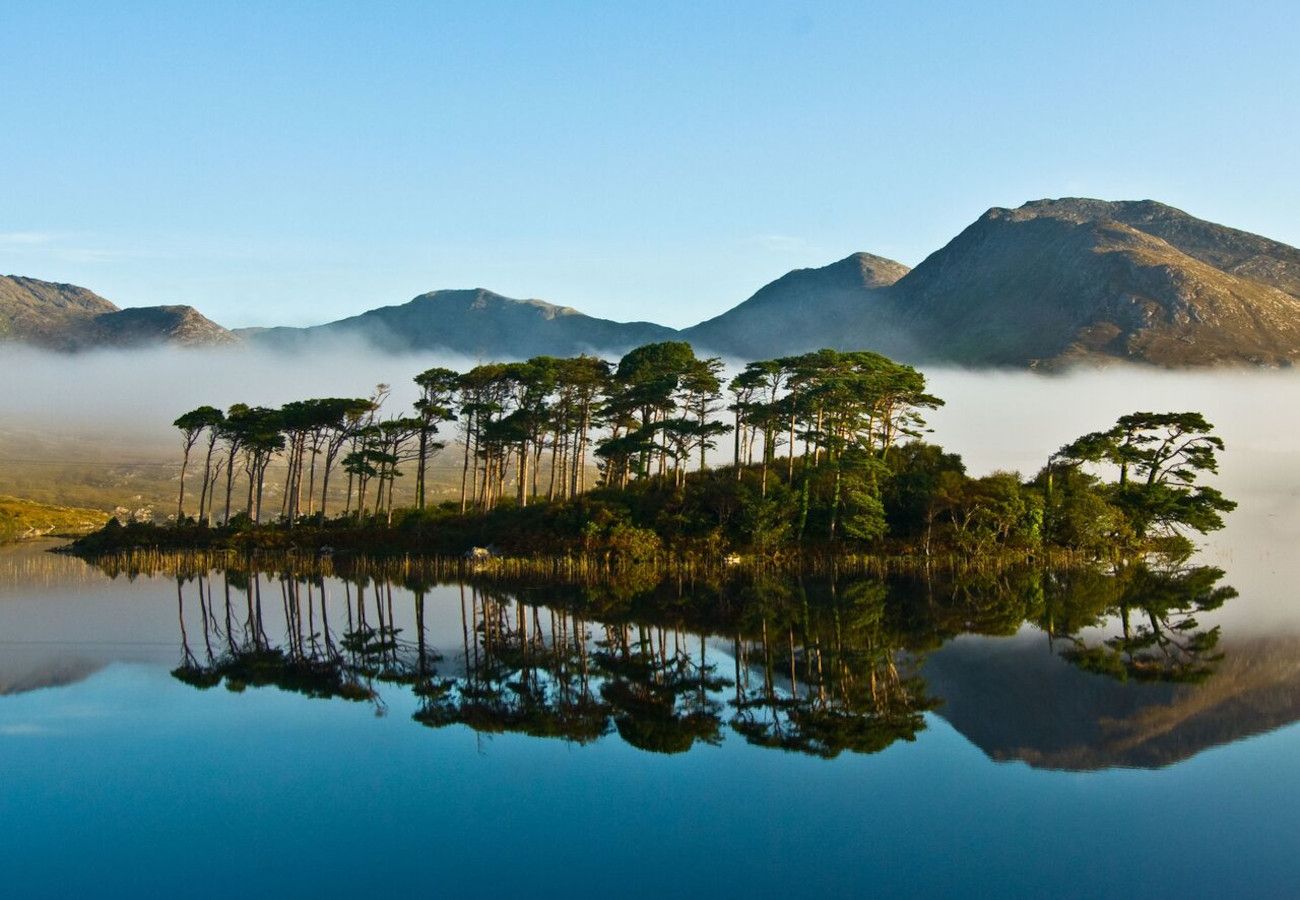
{"x":140,"y":392}
{"x":1014,"y":421}
{"x":996,"y":420}
{"x":90,"y":684}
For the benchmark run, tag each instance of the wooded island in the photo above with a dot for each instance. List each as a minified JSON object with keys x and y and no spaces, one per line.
{"x":824,"y":452}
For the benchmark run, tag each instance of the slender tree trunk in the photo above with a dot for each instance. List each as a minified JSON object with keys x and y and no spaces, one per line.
{"x":703,"y":439}
{"x":789,"y":477}
{"x":207,"y":473}
{"x":580,"y":468}
{"x":735,"y":457}
{"x":295,"y":504}
{"x":817,"y":450}
{"x":538,"y":441}
{"x":230,"y":483}
{"x":556,"y":445}
{"x":464,"y":470}
{"x":311,"y":483}
{"x":420,"y":467}
{"x":835,"y":501}
{"x":180,"y":500}
{"x":251,"y":471}
{"x":261,"y":481}
{"x":325,"y":486}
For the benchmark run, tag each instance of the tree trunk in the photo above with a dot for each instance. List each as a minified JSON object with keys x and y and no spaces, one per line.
{"x":324,"y":488}
{"x":251,"y":470}
{"x":420,"y":467}
{"x":311,"y":483}
{"x":207,"y":473}
{"x":736,"y":441}
{"x":835,"y":502}
{"x":230,"y":483}
{"x":789,"y":447}
{"x":464,"y":470}
{"x":180,"y":501}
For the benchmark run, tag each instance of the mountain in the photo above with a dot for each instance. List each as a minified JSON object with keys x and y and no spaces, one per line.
{"x":67,"y":317}
{"x":1060,"y":281}
{"x":807,"y":309}
{"x":1048,"y":284}
{"x":1051,"y":283}
{"x":476,"y":323}
{"x":181,"y":325}
{"x":41,"y":312}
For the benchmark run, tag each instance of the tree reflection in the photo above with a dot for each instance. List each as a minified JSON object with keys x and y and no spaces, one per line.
{"x":819,"y":666}
{"x":1155,"y":605}
{"x":662,"y":695}
{"x":309,"y":659}
{"x":520,"y":674}
{"x":827,"y":678}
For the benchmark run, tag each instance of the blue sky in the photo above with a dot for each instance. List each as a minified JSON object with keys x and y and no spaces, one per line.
{"x":294,"y":163}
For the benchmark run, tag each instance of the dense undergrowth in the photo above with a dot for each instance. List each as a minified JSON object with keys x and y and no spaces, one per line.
{"x":920,"y":504}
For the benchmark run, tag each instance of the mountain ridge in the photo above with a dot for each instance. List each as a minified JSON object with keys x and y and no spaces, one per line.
{"x":843,"y":292}
{"x":1118,"y":289}
{"x":61,"y":316}
{"x":486,"y":324}
{"x":1047,"y":284}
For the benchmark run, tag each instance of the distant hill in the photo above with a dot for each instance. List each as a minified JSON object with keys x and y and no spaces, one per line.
{"x":67,"y":317}
{"x":1058,"y":281}
{"x":1049,"y":284}
{"x":476,"y":323}
{"x":807,"y":309}
{"x":42,"y":312}
{"x":181,"y":325}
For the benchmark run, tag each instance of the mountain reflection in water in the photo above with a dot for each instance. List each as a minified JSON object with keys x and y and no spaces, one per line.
{"x":1074,"y":669}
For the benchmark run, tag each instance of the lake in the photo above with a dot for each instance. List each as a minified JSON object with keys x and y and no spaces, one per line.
{"x":274,"y":732}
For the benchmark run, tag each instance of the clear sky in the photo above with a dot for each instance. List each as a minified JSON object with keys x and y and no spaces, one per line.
{"x":297,"y":162}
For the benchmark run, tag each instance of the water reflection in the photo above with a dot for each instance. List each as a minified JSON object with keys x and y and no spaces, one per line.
{"x":1155,"y":609}
{"x":818,"y":666}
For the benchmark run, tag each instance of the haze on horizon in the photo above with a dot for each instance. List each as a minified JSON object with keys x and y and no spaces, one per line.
{"x":117,"y":422}
{"x":293,"y":165}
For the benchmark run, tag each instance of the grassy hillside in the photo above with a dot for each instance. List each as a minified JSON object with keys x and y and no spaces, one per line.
{"x":25,"y":518}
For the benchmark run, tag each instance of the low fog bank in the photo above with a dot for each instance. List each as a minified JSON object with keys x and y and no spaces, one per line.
{"x":995,"y":420}
{"x":137,"y":393}
{"x":94,"y":429}
{"x":1007,"y":420}
{"x":1014,"y":420}
{"x":102,"y":402}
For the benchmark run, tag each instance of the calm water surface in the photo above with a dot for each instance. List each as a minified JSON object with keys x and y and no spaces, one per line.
{"x":224,"y":734}
{"x":228,"y":733}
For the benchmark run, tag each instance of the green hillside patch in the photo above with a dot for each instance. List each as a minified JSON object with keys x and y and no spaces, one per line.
{"x":20,"y":519}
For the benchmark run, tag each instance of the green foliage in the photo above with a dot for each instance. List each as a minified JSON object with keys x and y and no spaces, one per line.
{"x":1079,"y":514}
{"x":912,"y":493}
{"x":863,"y":517}
{"x":1158,"y":458}
{"x":854,"y":474}
{"x":1154,"y":609}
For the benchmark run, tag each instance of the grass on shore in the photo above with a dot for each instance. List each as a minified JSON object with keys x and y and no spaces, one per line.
{"x":20,"y":519}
